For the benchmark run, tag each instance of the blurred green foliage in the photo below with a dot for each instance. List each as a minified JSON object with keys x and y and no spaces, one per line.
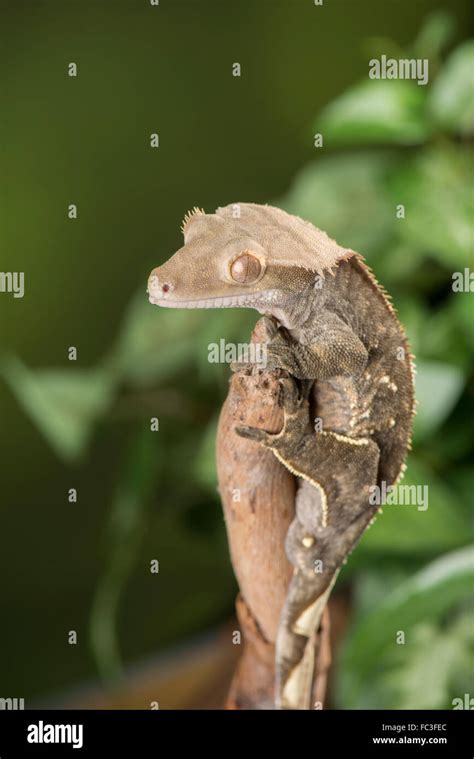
{"x":426,"y":164}
{"x":386,"y":143}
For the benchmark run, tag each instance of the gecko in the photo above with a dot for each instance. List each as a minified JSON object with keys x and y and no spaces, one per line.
{"x":346,"y":389}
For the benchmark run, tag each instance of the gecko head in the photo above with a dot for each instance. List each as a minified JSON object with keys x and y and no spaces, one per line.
{"x":220,"y":265}
{"x":236,"y":257}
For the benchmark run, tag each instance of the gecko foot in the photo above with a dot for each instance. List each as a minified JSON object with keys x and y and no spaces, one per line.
{"x":255,"y":434}
{"x":270,"y":326}
{"x":290,"y":398}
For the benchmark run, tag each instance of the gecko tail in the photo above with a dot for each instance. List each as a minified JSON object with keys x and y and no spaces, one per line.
{"x":296,"y":647}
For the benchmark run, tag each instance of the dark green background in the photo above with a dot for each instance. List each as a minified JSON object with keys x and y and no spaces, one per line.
{"x":85,"y":140}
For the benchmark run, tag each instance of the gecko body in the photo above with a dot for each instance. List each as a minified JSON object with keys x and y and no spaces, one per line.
{"x":346,"y":389}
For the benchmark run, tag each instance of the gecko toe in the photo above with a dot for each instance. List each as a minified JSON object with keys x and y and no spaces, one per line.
{"x":254,"y":433}
{"x":271,"y":326}
{"x":289,"y":395}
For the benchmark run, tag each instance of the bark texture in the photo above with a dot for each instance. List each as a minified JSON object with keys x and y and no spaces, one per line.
{"x":258,"y":496}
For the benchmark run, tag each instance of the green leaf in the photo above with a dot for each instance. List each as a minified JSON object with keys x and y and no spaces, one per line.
{"x":451,"y":100}
{"x":436,"y":190}
{"x":376,"y":111}
{"x":435,"y":34}
{"x":438,"y":388}
{"x":234,"y":325}
{"x":439,"y":587}
{"x":64,"y":404}
{"x":154,"y":343}
{"x":413,"y":530}
{"x":412,"y":314}
{"x":414,"y":681}
{"x":124,"y":532}
{"x":399,"y":264}
{"x":442,"y":337}
{"x":340,"y":193}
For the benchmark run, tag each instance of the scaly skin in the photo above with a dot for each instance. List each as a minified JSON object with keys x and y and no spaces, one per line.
{"x":348,"y":403}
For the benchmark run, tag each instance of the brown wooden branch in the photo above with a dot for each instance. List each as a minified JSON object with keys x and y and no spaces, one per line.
{"x":258,"y":496}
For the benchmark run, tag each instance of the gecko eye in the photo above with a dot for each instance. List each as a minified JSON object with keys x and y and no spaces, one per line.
{"x":245,"y":269}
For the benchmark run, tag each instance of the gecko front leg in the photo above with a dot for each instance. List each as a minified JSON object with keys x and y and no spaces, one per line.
{"x":331,"y":348}
{"x":332,"y":511}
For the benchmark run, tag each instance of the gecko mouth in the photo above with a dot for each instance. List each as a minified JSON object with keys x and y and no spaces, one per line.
{"x":226,"y":301}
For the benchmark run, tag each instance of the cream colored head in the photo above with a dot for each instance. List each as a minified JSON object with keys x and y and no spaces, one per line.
{"x":235,"y":257}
